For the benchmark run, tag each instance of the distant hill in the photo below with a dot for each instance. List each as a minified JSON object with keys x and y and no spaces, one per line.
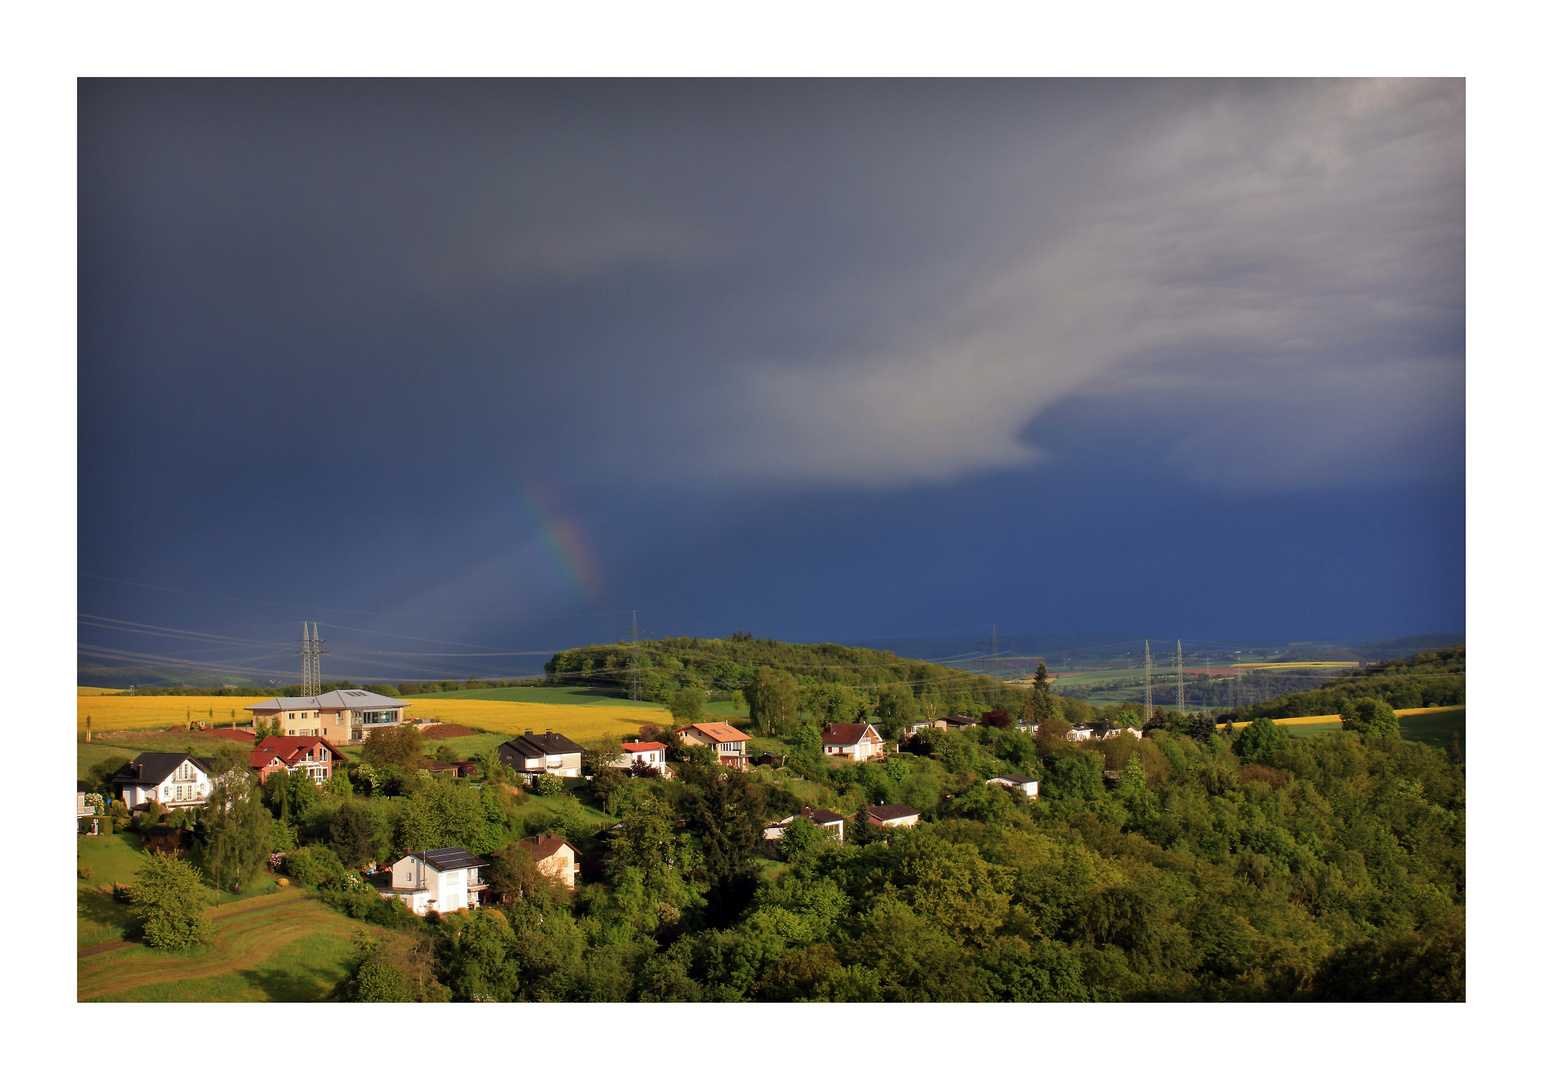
{"x":1376,"y":650}
{"x":728,"y":664}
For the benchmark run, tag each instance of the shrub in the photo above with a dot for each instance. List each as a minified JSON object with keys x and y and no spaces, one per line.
{"x":168,"y":900}
{"x":547,"y":784}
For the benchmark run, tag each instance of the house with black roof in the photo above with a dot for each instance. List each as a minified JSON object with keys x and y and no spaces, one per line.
{"x":438,"y":879}
{"x":172,"y":780}
{"x":530,"y":755}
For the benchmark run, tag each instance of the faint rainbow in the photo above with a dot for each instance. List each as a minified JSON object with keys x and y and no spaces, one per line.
{"x":567,"y":549}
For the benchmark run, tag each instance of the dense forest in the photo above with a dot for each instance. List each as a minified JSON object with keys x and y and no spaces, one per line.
{"x":724,"y":665}
{"x":1425,"y":680}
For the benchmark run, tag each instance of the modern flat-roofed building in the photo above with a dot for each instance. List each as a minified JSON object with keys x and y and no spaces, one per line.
{"x":339,"y":716}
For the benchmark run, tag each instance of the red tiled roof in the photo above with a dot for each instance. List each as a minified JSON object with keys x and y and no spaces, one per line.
{"x":638,"y":747}
{"x":844,"y":734}
{"x":261,"y":759}
{"x":291,"y":747}
{"x":544,"y":846}
{"x":720,"y":733}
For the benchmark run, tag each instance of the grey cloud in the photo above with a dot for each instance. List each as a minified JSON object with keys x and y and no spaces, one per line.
{"x":1291,"y":232}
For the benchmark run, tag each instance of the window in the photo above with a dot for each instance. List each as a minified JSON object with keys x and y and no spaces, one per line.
{"x":291,"y":716}
{"x":178,"y":796}
{"x":166,"y":791}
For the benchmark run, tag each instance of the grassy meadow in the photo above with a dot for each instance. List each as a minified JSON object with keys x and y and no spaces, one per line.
{"x":283,"y":947}
{"x":1433,"y":727}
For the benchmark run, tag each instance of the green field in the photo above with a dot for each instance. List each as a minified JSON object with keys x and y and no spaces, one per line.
{"x":541,"y":695}
{"x":290,"y":947}
{"x":1433,"y":729}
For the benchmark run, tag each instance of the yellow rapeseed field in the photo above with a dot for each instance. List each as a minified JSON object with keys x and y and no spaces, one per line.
{"x":578,"y":722}
{"x":146,"y":713}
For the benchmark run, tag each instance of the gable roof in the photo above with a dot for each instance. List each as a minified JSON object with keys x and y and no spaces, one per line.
{"x":333,"y":699}
{"x":291,"y":747}
{"x":449,"y":858}
{"x":1016,"y":778}
{"x":532,"y":745}
{"x":151,"y":768}
{"x":822,"y":817}
{"x":262,"y":759}
{"x":719,"y":733}
{"x":544,"y":846}
{"x":846,"y":734}
{"x":961,"y":720}
{"x":639,"y":747}
{"x":892,"y":811}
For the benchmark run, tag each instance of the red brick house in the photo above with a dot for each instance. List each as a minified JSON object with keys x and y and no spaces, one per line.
{"x":310,"y":754}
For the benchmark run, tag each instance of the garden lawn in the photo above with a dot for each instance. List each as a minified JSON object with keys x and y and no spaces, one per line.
{"x":289,"y":947}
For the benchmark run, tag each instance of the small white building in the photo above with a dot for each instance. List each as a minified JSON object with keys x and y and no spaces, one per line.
{"x":645,"y":753}
{"x":859,"y":742}
{"x":173,"y":780}
{"x":1018,"y":782}
{"x":438,"y":879}
{"x":1080,"y":733}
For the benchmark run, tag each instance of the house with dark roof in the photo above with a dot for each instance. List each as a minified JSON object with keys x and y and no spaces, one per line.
{"x":339,"y":716}
{"x":891,"y":816}
{"x":957,"y":721}
{"x":729,"y":743}
{"x":172,"y":780}
{"x":856,"y":742}
{"x":311,"y":755}
{"x":531,"y":754}
{"x":1018,"y":782}
{"x":554,"y":857}
{"x":437,"y":879}
{"x":828,"y":820}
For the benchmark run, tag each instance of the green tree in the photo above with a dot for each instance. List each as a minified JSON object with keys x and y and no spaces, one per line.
{"x":237,"y":830}
{"x":169,"y":904}
{"x":773,"y":700}
{"x":1259,"y":740}
{"x":688,"y":704}
{"x":602,"y":753}
{"x":1371,"y":717}
{"x":1037,"y":709}
{"x":354,"y":834}
{"x":400,"y":745}
{"x":799,"y":836}
{"x":897,"y":709}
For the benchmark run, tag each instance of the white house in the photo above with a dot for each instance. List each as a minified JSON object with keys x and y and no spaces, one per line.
{"x":859,"y":742}
{"x":531,"y":754}
{"x":1017,"y":781}
{"x":648,"y":753}
{"x":891,"y":816}
{"x":1080,"y":733}
{"x":438,"y":879}
{"x":172,"y":780}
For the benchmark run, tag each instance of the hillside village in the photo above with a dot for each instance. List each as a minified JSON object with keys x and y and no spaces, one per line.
{"x":672,"y":854}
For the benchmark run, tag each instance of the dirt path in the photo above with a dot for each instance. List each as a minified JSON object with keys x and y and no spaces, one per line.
{"x":223,"y":912}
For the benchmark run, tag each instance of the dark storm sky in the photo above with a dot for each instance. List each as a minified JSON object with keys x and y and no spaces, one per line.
{"x":485,"y":366}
